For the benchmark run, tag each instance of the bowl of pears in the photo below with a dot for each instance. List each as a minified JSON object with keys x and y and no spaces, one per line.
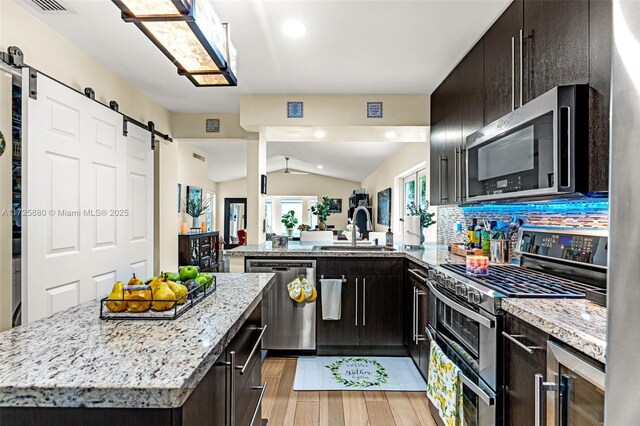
{"x":161,"y":297}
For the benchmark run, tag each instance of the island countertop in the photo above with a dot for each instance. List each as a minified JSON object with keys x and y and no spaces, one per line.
{"x":74,"y":359}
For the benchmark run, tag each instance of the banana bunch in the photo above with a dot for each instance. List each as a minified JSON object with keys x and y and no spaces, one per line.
{"x":301,"y":290}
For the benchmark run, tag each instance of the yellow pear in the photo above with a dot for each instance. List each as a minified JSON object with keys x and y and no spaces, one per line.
{"x":135,"y":281}
{"x":179,"y":290}
{"x":163,"y":297}
{"x":117,"y":295}
{"x":155,"y":282}
{"x":139,"y":300}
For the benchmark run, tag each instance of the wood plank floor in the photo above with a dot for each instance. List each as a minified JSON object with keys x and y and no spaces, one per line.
{"x":284,"y":406}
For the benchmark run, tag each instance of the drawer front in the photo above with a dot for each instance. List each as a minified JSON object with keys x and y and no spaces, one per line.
{"x":205,"y":263}
{"x":244,"y":343}
{"x":248,"y":401}
{"x":360,"y":266}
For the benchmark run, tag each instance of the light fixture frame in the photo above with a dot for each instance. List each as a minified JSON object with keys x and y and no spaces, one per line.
{"x":185,"y":10}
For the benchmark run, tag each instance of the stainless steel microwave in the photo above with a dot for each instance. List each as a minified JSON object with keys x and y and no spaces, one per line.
{"x":540,"y":149}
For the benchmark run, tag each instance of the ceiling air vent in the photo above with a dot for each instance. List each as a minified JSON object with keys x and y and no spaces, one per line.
{"x":198,"y":157}
{"x":50,"y":6}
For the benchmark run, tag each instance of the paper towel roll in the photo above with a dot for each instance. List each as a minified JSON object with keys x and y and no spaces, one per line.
{"x":412,"y":231}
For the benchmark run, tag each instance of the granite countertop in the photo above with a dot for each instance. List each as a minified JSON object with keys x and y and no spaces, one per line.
{"x":431,"y":255}
{"x":74,"y":359}
{"x":576,"y":322}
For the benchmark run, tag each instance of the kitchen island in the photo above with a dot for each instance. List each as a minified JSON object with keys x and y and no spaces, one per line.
{"x":73,"y":368}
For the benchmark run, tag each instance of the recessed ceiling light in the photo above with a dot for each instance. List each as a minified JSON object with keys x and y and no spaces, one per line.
{"x":319,"y":134}
{"x":390,"y":134}
{"x":294,"y":29}
{"x":320,"y":166}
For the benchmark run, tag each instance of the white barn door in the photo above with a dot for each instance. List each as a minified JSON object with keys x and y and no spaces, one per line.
{"x":78,"y":193}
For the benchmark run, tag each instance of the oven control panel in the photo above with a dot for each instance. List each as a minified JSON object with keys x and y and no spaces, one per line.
{"x":577,"y":245}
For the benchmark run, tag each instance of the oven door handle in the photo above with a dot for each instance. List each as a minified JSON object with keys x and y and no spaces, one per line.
{"x":489,"y":399}
{"x":461,"y":309}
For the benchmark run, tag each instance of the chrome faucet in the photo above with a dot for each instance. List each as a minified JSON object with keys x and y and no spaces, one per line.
{"x":353,"y":223}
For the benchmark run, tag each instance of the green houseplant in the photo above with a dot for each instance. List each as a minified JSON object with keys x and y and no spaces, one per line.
{"x":321,"y":210}
{"x":426,"y":218}
{"x":289,"y":220}
{"x":196,"y":207}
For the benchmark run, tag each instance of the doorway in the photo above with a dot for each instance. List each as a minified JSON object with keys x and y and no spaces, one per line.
{"x":235,"y":218}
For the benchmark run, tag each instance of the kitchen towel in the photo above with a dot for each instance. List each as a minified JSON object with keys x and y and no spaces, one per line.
{"x":331,"y":298}
{"x":444,"y":387}
{"x":412,"y":231}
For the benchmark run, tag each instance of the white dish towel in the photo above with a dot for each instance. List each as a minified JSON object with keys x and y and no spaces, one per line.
{"x":331,"y":299}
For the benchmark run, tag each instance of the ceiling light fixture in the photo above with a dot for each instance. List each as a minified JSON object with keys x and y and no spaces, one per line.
{"x":320,"y":166}
{"x":294,"y":29}
{"x":390,"y":134}
{"x":190,"y":34}
{"x":319,"y":134}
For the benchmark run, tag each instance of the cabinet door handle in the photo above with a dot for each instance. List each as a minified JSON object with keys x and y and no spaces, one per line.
{"x":521,"y":65}
{"x":417,"y":275}
{"x":257,"y":410}
{"x":528,"y":349}
{"x":413,"y":316}
{"x":542,"y":388}
{"x":356,"y":302}
{"x":440,"y":180}
{"x":455,"y":176}
{"x":364,"y":301}
{"x":242,"y":368}
{"x":419,"y":293}
{"x":232,"y":389}
{"x":513,"y":73}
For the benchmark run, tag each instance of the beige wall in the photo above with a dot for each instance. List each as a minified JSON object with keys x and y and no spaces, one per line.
{"x":258,"y":111}
{"x":58,"y":57}
{"x":388,"y":175}
{"x":280,"y":184}
{"x":193,"y":126}
{"x":191,"y":172}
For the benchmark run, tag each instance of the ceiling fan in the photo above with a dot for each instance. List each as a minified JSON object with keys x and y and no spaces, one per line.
{"x":289,"y":172}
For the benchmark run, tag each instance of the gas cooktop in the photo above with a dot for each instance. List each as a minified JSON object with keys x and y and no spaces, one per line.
{"x":514,"y":281}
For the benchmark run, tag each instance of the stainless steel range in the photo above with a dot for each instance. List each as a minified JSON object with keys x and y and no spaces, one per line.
{"x":465,"y":317}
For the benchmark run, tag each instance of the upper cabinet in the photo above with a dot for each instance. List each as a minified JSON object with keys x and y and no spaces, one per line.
{"x":502,"y":63}
{"x":556,"y":45}
{"x":532,"y":47}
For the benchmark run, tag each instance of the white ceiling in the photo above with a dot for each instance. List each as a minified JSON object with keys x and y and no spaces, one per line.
{"x":352,"y":46}
{"x":227,"y":160}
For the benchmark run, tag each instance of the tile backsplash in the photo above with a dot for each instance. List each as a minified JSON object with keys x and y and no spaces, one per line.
{"x":581,"y":213}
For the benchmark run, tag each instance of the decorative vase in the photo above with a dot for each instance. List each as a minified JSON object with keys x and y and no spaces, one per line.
{"x":322,"y":226}
{"x":196,"y":223}
{"x":422,"y":236}
{"x":290,"y":232}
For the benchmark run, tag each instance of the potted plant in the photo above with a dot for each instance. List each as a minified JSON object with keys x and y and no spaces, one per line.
{"x":196,"y":207}
{"x":426,"y":218}
{"x":321,"y":210}
{"x":289,"y":221}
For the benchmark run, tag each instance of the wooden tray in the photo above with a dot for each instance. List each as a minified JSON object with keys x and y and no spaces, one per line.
{"x":458,"y":248}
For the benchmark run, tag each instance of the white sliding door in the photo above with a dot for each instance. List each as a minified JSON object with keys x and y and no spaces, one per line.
{"x":88,"y":193}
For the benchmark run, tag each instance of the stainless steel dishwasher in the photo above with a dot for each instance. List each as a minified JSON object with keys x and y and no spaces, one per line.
{"x":292,"y":325}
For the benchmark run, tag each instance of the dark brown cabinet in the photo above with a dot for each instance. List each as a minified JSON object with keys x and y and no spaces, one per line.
{"x":201,"y":250}
{"x":525,"y":356}
{"x":501,"y":63}
{"x":556,"y":45}
{"x":532,"y":47}
{"x":372,"y":305}
{"x":417,"y":318}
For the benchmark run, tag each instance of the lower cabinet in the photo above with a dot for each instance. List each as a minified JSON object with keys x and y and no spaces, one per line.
{"x":416,"y":294}
{"x":371,"y":312}
{"x":525,"y":356}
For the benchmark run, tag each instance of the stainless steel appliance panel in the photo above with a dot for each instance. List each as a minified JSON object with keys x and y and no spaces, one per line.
{"x":574,"y":389}
{"x":623,"y":374}
{"x":292,"y":325}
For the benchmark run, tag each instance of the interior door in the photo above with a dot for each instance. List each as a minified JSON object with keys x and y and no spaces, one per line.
{"x":88,"y":197}
{"x":5,"y":202}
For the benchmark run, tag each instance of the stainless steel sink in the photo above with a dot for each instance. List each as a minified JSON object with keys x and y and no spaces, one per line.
{"x":356,"y":248}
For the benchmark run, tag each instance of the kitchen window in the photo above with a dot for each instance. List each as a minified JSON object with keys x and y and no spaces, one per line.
{"x":415,"y":189}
